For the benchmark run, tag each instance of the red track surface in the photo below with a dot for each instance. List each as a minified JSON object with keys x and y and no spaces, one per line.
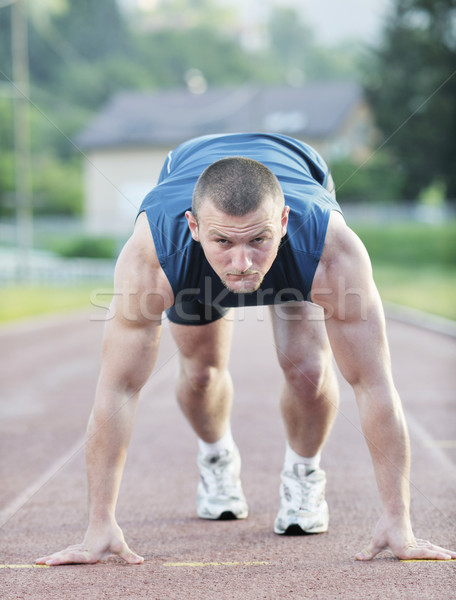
{"x":47,"y":377}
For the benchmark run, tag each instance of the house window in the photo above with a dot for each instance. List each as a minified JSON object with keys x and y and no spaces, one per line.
{"x":290,"y":121}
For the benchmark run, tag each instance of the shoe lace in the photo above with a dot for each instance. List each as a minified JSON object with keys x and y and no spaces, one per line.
{"x":222,"y":478}
{"x":306,"y":493}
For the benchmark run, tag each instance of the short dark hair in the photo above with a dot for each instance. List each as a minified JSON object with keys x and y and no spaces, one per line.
{"x":236,"y":185}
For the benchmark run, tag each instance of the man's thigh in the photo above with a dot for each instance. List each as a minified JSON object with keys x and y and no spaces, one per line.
{"x":204,"y":345}
{"x":299,"y":330}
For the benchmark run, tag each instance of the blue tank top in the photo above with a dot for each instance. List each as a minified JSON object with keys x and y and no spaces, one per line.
{"x":303,"y":176}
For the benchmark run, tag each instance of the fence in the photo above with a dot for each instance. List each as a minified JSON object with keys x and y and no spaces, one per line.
{"x":41,"y":266}
{"x":38,"y":268}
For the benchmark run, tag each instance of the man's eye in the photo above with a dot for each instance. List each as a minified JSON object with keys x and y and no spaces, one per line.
{"x":222,"y":242}
{"x":258,"y":240}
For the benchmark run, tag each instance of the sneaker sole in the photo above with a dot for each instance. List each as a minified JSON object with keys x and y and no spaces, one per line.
{"x":226,"y":515}
{"x":295,"y":530}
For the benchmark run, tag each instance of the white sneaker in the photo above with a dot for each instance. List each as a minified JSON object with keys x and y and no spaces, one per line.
{"x":220,"y":494}
{"x":303,"y":508}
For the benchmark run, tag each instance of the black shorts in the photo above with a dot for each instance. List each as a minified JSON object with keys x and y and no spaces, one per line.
{"x":192,"y":312}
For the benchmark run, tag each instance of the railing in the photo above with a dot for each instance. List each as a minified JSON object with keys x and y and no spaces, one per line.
{"x":45,"y":268}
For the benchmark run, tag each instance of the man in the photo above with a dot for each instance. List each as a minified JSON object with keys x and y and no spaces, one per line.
{"x":264,"y":228}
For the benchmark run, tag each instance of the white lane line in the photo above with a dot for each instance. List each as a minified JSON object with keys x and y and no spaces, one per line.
{"x":441,"y":444}
{"x":420,"y":319}
{"x":13,"y":507}
{"x":421,"y":434}
{"x":156,"y":378}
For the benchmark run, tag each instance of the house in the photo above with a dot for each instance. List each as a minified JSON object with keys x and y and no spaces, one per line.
{"x":127,"y":142}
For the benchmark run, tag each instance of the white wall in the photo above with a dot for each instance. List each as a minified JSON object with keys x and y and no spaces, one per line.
{"x":115,"y":185}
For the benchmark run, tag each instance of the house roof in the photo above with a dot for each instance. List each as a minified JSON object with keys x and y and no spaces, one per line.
{"x":165,"y":118}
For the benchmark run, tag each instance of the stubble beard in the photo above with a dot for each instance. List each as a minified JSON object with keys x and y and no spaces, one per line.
{"x":244,"y":290}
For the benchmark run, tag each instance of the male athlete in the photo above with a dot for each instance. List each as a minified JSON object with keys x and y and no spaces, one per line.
{"x":263,"y":228}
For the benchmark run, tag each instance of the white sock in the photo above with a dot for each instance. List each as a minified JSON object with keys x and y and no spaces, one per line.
{"x":292,"y":458}
{"x":226,"y":442}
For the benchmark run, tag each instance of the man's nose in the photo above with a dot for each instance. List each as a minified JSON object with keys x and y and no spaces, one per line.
{"x":241,"y":260}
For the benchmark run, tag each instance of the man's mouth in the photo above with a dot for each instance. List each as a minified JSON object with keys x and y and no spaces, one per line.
{"x":243,"y":283}
{"x":242,"y":274}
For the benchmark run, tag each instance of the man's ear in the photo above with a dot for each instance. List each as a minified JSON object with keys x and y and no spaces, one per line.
{"x":192,"y":224}
{"x":284,"y":219}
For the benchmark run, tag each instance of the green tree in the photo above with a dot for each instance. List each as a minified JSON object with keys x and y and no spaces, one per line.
{"x":296,"y":57}
{"x":412,"y":86}
{"x":379,"y":180}
{"x":6,"y":158}
{"x":70,"y":49}
{"x":94,"y":30}
{"x":290,"y":39}
{"x":6,"y":72}
{"x":182,"y":14}
{"x":169,"y":54}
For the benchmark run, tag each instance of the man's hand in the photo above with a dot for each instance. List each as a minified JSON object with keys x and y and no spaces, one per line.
{"x":94,"y":547}
{"x":397,"y":536}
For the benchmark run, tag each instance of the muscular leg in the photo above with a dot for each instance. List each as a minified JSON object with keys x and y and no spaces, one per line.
{"x":310,"y":394}
{"x":204,"y":388}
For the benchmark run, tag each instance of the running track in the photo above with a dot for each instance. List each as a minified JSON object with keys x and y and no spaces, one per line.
{"x":47,"y":376}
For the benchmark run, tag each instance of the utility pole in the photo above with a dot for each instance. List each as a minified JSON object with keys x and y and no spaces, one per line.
{"x":23,"y":188}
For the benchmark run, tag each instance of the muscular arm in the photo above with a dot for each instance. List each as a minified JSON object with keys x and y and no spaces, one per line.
{"x":344,"y":287}
{"x":130,"y":345}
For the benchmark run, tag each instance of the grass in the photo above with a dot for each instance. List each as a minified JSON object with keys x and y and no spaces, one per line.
{"x":414,"y":265}
{"x":18,"y":302}
{"x":431,"y":289}
{"x":410,"y":244}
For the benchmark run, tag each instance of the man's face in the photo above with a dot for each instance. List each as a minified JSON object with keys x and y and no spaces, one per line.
{"x":241,"y":250}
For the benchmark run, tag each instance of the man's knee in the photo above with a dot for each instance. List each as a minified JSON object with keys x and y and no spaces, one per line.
{"x":200,"y":377}
{"x":306,"y":374}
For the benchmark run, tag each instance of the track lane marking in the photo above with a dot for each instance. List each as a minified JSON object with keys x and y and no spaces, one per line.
{"x":21,"y":500}
{"x":156,"y":378}
{"x":438,"y":560}
{"x":440,"y":443}
{"x":421,"y":435}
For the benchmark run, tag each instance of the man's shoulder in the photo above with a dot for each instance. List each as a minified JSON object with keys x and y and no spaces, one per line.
{"x":339,"y":240}
{"x":139,"y":257}
{"x":142,"y":242}
{"x":343,"y":253}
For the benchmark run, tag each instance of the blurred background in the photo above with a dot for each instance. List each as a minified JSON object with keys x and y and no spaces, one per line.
{"x":93,"y":96}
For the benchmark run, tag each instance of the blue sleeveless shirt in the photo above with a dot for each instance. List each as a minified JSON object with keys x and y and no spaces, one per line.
{"x":303,"y":176}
